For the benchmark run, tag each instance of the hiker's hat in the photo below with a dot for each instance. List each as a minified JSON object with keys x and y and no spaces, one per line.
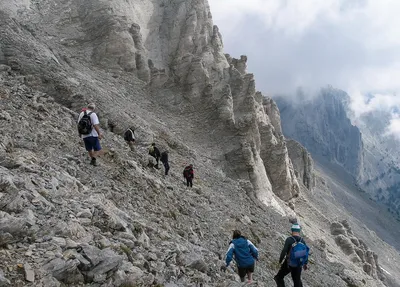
{"x":296,"y":227}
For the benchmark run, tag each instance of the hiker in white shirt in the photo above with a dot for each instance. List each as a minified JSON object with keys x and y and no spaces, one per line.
{"x":89,"y":129}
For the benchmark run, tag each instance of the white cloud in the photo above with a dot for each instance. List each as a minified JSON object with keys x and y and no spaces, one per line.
{"x":394,"y":126}
{"x":353,"y":45}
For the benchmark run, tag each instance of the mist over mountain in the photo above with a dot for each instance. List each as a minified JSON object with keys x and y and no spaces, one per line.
{"x":363,"y":144}
{"x":321,"y":124}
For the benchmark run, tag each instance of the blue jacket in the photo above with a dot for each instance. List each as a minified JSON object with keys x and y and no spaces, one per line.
{"x":245,"y":252}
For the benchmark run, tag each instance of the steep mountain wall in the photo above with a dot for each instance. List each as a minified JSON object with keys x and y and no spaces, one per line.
{"x":303,"y":164}
{"x":322,"y":126}
{"x":329,"y":129}
{"x":381,"y":168}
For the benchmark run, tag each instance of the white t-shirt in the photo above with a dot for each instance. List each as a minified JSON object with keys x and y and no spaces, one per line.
{"x":95,"y":121}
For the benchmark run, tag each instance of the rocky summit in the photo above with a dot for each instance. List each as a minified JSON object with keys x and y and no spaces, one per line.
{"x":159,"y":66}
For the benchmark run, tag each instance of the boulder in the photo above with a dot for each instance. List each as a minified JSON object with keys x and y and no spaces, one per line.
{"x":345,"y":244}
{"x":199,"y":265}
{"x":29,"y":273}
{"x":65,"y":271}
{"x":337,"y":228}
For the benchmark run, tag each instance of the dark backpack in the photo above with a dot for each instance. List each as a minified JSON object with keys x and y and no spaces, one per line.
{"x":187,"y":172}
{"x":128,"y":136}
{"x":85,"y":126}
{"x":298,"y":254}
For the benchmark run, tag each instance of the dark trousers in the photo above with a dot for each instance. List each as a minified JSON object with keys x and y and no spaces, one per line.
{"x":189,"y":181}
{"x":285,"y":270}
{"x":166,"y":166}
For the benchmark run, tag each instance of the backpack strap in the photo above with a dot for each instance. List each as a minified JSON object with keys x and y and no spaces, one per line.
{"x":129,"y":130}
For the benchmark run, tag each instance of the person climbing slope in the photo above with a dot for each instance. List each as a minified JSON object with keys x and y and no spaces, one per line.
{"x":164,"y":160}
{"x":89,"y":131}
{"x":155,"y":152}
{"x":129,"y":137}
{"x":245,"y":254}
{"x":294,"y":258}
{"x":188,"y":174}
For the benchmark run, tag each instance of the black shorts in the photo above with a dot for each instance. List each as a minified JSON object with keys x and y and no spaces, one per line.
{"x":244,"y":270}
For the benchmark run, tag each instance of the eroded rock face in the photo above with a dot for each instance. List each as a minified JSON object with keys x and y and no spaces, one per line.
{"x":302,"y":162}
{"x":355,"y":248}
{"x":254,"y":146}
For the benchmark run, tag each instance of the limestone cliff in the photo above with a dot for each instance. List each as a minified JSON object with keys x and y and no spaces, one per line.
{"x":380,"y":175}
{"x":303,"y":163}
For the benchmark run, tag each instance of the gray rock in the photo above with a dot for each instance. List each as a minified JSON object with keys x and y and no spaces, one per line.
{"x":144,"y":240}
{"x":5,"y":238}
{"x":109,"y":262}
{"x":337,"y":228}
{"x":200,"y":265}
{"x":65,"y":271}
{"x":50,"y":281}
{"x":92,"y":254}
{"x":345,"y":244}
{"x":29,"y":273}
{"x":104,"y":243}
{"x":70,"y":244}
{"x":84,"y":264}
{"x":4,"y":282}
{"x":59,"y":241}
{"x":85,"y":213}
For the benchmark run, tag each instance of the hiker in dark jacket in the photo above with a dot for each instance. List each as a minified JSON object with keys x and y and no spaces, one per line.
{"x":245,"y":254}
{"x":155,"y":152}
{"x":285,"y":257}
{"x":129,"y":137}
{"x":164,"y":160}
{"x":188,"y":174}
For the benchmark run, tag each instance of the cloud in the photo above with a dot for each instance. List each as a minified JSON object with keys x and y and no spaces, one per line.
{"x":353,"y":45}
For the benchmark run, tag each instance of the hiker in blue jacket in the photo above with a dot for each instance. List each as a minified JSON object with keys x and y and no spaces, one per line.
{"x":245,"y":255}
{"x":285,"y":260}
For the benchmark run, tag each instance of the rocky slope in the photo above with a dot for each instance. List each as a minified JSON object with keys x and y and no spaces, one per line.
{"x":159,"y":66}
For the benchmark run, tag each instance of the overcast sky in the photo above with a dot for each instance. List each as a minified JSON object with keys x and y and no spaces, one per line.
{"x":352,"y":45}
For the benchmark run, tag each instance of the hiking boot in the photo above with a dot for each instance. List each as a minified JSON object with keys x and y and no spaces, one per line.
{"x":276,"y":280}
{"x":93,"y":162}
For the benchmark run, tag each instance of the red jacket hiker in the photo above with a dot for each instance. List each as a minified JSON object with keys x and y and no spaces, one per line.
{"x":188,"y":174}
